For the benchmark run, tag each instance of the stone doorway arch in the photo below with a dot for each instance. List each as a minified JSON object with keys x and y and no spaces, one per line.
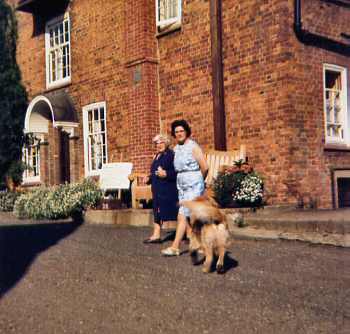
{"x":52,"y":116}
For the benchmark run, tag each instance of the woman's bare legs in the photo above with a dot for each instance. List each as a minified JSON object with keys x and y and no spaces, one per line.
{"x":180,"y":231}
{"x":156,"y":231}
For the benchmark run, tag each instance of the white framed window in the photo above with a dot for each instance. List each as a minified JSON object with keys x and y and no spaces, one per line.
{"x":168,"y":12}
{"x":335,"y":104}
{"x":95,"y":137}
{"x":31,"y":159}
{"x":58,"y":54}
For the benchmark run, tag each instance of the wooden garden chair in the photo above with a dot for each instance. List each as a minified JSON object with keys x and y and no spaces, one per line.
{"x":217,"y":159}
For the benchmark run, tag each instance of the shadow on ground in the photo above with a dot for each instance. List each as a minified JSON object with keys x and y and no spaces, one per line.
{"x":229,"y":262}
{"x":20,"y":244}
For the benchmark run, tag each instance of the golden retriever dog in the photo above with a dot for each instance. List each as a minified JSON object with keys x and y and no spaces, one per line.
{"x":209,"y":232}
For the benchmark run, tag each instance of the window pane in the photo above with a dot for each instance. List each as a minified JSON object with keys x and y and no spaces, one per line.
{"x":328,"y":106}
{"x":333,"y":80}
{"x":89,"y":116}
{"x":61,"y":33}
{"x":95,"y":127}
{"x":66,"y":29}
{"x":51,"y":38}
{"x":102,"y":113}
{"x":97,"y":135}
{"x":59,"y":46}
{"x":31,"y":159}
{"x":59,"y":64}
{"x":56,"y":35}
{"x":104,"y":154}
{"x":336,"y":108}
{"x":64,"y":60}
{"x":53,"y":65}
{"x":334,"y":104}
{"x":68,"y":61}
{"x":95,"y":114}
{"x":167,"y":9}
{"x":173,"y":8}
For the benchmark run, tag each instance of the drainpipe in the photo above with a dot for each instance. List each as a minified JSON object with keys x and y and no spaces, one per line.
{"x":297,"y":16}
{"x":319,"y":41}
{"x":217,"y":76}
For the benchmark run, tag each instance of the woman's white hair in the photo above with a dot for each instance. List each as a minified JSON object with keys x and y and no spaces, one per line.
{"x":163,"y":138}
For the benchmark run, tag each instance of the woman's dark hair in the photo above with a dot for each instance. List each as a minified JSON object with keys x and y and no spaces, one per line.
{"x":182,"y":123}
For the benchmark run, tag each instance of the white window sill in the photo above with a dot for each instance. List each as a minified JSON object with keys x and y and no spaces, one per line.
{"x":163,"y":30}
{"x":337,"y":147}
{"x":31,"y":181}
{"x":95,"y":173}
{"x":58,"y":84}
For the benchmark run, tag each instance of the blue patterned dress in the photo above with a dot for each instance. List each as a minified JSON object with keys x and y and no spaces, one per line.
{"x":190,"y":183}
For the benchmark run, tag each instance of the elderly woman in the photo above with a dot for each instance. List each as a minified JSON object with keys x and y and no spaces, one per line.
{"x":164,"y":190}
{"x":192,"y":169}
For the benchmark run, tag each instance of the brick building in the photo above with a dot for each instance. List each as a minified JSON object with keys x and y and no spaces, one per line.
{"x":105,"y":76}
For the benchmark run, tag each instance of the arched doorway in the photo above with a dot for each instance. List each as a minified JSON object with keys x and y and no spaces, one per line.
{"x":53,"y":117}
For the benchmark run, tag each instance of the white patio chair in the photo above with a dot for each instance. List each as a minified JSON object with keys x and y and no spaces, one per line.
{"x":114,"y":176}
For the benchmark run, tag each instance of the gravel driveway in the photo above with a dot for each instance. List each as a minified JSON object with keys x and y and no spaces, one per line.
{"x":66,"y":278}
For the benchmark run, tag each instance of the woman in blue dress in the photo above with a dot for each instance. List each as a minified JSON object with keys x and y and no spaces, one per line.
{"x":164,"y":190}
{"x":192,"y":169}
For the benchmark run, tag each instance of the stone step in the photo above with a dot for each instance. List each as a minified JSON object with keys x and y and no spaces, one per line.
{"x":294,"y":225}
{"x":283,"y":220}
{"x":132,"y":217}
{"x":251,"y":233}
{"x":320,"y":221}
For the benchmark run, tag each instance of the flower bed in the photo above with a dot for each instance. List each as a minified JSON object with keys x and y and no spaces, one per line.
{"x":7,"y":200}
{"x":238,"y":186}
{"x":58,"y":202}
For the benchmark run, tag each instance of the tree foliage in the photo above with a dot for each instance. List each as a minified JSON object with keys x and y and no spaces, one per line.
{"x":13,"y":97}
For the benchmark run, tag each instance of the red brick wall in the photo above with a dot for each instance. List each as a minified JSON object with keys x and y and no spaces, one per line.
{"x":313,"y":160}
{"x":141,"y":63}
{"x":110,"y":41}
{"x":273,"y":83}
{"x":273,"y":90}
{"x":257,"y":66}
{"x":257,"y":60}
{"x":185,"y":73}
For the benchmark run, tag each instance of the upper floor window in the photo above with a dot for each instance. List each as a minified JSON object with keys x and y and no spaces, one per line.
{"x":31,"y":158}
{"x":95,"y":137}
{"x":336,"y":109}
{"x":168,"y":12}
{"x":57,"y":46}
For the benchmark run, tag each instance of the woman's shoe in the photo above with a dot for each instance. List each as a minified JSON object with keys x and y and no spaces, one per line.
{"x":152,"y":241}
{"x":170,"y":251}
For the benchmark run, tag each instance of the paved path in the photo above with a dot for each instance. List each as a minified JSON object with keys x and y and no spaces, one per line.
{"x":64,"y":278}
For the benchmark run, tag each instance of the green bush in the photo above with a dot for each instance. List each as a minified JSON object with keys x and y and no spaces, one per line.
{"x":58,"y":202}
{"x":7,"y":200}
{"x":32,"y":204}
{"x":225,"y":185}
{"x":238,"y":185}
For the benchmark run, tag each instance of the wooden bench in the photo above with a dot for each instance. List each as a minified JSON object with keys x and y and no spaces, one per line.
{"x":139,"y":190}
{"x":215,"y":159}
